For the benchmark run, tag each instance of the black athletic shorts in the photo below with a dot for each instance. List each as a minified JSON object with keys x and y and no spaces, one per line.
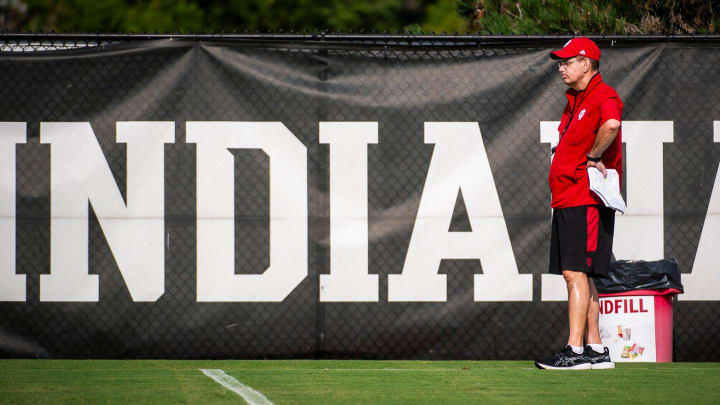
{"x":582,"y":239}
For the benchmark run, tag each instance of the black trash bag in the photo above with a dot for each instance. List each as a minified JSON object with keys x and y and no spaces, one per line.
{"x":628,"y":275}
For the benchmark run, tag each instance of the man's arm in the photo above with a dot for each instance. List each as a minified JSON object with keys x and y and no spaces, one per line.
{"x":606,"y":135}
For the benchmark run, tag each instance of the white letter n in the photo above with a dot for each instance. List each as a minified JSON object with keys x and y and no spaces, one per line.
{"x":79,"y":174}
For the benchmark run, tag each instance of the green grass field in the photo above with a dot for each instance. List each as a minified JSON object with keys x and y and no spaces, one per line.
{"x":341,"y":382}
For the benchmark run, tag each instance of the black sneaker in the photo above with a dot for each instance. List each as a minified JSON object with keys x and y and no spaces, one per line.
{"x":566,"y":359}
{"x":599,"y":361}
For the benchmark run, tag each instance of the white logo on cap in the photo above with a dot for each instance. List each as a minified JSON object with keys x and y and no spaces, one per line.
{"x":582,"y":52}
{"x":567,"y":43}
{"x":582,"y":114}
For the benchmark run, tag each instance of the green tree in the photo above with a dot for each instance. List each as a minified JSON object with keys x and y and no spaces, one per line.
{"x":591,"y":17}
{"x":414,"y":16}
{"x":232,"y":15}
{"x":111,"y":15}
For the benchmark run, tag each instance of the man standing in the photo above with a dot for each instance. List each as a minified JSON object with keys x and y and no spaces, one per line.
{"x":582,"y":227}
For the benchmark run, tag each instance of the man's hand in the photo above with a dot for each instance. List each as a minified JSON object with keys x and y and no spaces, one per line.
{"x":606,"y":135}
{"x":598,"y":165}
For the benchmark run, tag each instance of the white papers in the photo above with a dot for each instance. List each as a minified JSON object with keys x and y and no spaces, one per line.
{"x":608,"y":189}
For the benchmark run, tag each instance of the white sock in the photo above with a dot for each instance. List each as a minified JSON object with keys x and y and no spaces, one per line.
{"x":597,"y":347}
{"x":577,"y":349}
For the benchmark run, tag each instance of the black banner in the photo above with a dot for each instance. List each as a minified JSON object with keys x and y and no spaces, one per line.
{"x":220,"y":199}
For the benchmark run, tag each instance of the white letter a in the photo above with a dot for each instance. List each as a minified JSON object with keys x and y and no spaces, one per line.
{"x":459,"y":162}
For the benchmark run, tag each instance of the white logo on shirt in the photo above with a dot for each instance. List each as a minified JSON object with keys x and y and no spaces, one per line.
{"x":582,"y":52}
{"x":582,"y":114}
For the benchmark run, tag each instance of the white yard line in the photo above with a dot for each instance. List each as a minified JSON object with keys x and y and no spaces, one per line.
{"x":250,"y":396}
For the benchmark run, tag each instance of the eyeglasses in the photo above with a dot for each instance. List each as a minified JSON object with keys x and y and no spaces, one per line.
{"x":565,"y":63}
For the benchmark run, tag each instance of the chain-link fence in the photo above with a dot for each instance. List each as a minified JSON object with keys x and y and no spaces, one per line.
{"x":505,"y":84}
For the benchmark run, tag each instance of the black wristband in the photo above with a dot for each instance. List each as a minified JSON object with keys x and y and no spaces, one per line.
{"x":592,"y":159}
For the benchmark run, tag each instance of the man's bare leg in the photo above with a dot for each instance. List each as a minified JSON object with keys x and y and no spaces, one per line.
{"x":578,"y":304}
{"x":598,"y":356}
{"x":592,"y":332}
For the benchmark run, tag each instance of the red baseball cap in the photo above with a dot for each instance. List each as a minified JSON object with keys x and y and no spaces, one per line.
{"x":578,"y":46}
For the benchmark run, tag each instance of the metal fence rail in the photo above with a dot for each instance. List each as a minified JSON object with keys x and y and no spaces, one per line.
{"x":25,"y":42}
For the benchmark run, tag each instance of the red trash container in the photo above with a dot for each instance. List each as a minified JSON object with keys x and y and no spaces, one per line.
{"x":637,"y":326}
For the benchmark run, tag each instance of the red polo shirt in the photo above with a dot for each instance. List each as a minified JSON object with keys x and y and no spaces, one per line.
{"x":586,"y":111}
